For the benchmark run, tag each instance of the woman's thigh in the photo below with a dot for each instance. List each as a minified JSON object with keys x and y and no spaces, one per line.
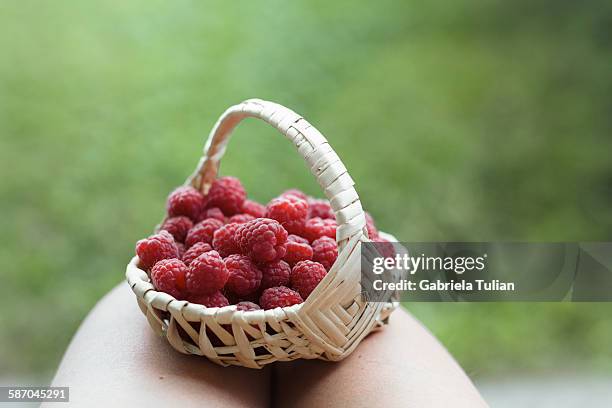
{"x":115,"y":358}
{"x":402,"y":365}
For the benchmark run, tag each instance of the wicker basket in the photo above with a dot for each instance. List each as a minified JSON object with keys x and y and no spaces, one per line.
{"x":334,"y":318}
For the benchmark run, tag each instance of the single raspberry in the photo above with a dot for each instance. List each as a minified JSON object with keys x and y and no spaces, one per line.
{"x":186,"y":201}
{"x":253,"y":208}
{"x":212,"y":213}
{"x":325,"y":251}
{"x":275,"y":274}
{"x":168,"y":275}
{"x":321,"y":209}
{"x":295,"y":192}
{"x":372,"y":231}
{"x":207,"y":274}
{"x":241,"y":218}
{"x":203,"y":231}
{"x":247,"y":306}
{"x":298,"y":250}
{"x":155,"y":248}
{"x":196,"y":250}
{"x":305,"y":276}
{"x":215,"y":299}
{"x":181,"y":249}
{"x":223,"y":240}
{"x":244,"y":275}
{"x":316,"y":228}
{"x":263,"y":239}
{"x":178,"y":227}
{"x":291,"y":211}
{"x":228,"y":194}
{"x":279,"y":296}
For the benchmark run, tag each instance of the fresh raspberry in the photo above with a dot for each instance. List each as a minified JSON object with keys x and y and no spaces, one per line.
{"x":196,"y":250}
{"x":215,"y":299}
{"x":305,"y":276}
{"x":155,"y":248}
{"x":207,"y":274}
{"x":325,"y":251}
{"x":212,"y":213}
{"x":316,"y":228}
{"x":372,"y":231}
{"x":321,"y":209}
{"x":291,"y":211}
{"x":275,"y":274}
{"x":253,"y":208}
{"x":241,"y":218}
{"x":263,"y":239}
{"x":168,"y":275}
{"x":181,"y":249}
{"x":298,"y":250}
{"x":247,"y":306}
{"x":203,"y":231}
{"x":186,"y":201}
{"x":228,"y":194}
{"x":279,"y":296}
{"x":178,"y":227}
{"x":296,"y":193}
{"x":223,"y":240}
{"x":244,"y":275}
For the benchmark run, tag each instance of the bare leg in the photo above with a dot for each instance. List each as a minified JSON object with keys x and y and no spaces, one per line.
{"x":116,"y":359}
{"x":401,"y":366}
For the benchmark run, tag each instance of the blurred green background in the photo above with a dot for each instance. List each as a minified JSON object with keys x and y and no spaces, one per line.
{"x":458,"y":120}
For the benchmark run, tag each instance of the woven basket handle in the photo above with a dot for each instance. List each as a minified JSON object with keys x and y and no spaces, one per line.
{"x":324,"y":163}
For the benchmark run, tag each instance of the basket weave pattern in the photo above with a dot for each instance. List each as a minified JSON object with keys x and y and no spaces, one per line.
{"x":334,"y":318}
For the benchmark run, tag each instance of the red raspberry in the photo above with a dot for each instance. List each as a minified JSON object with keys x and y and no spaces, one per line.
{"x":241,"y":218}
{"x":203,"y":231}
{"x":253,"y":208}
{"x":168,"y":275}
{"x":223,"y":240}
{"x":321,"y":209}
{"x":207,"y":274}
{"x":294,"y":192}
{"x":178,"y":227}
{"x":244,"y":275}
{"x":279,"y":296}
{"x":215,"y":299}
{"x":196,"y":250}
{"x":372,"y":231}
{"x":291,"y":211}
{"x":297,"y":250}
{"x":316,"y":228}
{"x":305,"y":276}
{"x":263,"y":239}
{"x":275,"y":274}
{"x":247,"y":306}
{"x":228,"y":194}
{"x":325,"y":251}
{"x":155,"y":248}
{"x":186,"y":201}
{"x":212,"y":213}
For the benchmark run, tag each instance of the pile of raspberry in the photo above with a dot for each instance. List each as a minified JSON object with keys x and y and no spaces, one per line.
{"x":221,"y":248}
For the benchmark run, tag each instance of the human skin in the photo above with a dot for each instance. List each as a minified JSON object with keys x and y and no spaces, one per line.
{"x":115,"y":358}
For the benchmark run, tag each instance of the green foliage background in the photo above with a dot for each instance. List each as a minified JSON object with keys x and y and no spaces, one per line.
{"x":458,"y":120}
